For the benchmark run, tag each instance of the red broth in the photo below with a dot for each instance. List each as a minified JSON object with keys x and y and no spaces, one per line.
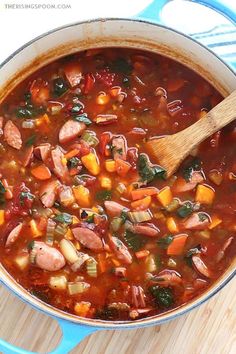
{"x":88,"y":223}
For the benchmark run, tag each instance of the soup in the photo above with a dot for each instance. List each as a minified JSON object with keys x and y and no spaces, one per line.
{"x":88,"y":222}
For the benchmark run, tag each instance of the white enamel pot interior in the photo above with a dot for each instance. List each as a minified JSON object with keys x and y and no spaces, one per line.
{"x":118,"y":33}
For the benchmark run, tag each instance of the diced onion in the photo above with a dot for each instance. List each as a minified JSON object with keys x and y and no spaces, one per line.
{"x":77,"y":287}
{"x":121,"y":188}
{"x":28,"y":124}
{"x":22,"y":261}
{"x":151,"y":264}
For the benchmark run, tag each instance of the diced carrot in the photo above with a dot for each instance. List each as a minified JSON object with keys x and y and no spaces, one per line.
{"x":90,"y":161}
{"x":110,"y":165}
{"x":142,"y":254}
{"x":176,"y":247}
{"x":141,"y":204}
{"x":115,"y":262}
{"x":75,"y":220}
{"x":41,"y":172}
{"x":102,"y":98}
{"x":71,"y":153}
{"x":82,"y":196}
{"x":204,"y":194}
{"x":69,"y":235}
{"x":36,"y":232}
{"x":82,"y":308}
{"x":2,"y":217}
{"x":215,"y":221}
{"x":8,"y":193}
{"x":105,"y":182}
{"x":143,"y":192}
{"x":165,"y":196}
{"x":114,"y":91}
{"x":175,"y":84}
{"x":43,"y":122}
{"x":42,"y":223}
{"x":73,"y":171}
{"x":172,"y":225}
{"x":122,"y":167}
{"x":102,"y":262}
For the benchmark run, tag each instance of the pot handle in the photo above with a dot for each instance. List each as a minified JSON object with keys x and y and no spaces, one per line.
{"x":72,"y":334}
{"x":153,"y":11}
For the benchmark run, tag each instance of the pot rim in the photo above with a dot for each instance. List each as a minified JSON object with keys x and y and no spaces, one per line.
{"x":10,"y":283}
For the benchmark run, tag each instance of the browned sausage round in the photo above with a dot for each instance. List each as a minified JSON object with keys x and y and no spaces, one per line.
{"x":12,"y":135}
{"x":149,"y":230}
{"x":197,"y":221}
{"x":113,"y":208}
{"x":88,"y":238}
{"x":42,"y":151}
{"x":48,"y":193}
{"x":48,"y":258}
{"x":59,"y":167}
{"x":70,"y":130}
{"x":120,"y":250}
{"x":13,"y":235}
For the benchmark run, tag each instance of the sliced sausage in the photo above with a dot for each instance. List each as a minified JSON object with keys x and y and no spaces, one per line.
{"x":120,"y":272}
{"x":14,"y":235}
{"x":27,"y":157}
{"x":168,"y":278}
{"x":197,"y":221}
{"x":119,"y":147}
{"x":42,"y":151}
{"x":120,"y":250}
{"x":73,"y":73}
{"x":48,"y":258}
{"x":12,"y":135}
{"x":182,"y":186}
{"x":88,"y":238}
{"x":200,"y":266}
{"x":114,"y":208}
{"x":137,"y":296}
{"x":59,"y":166}
{"x":48,"y":193}
{"x":71,"y":130}
{"x":146,"y":229}
{"x":66,"y":196}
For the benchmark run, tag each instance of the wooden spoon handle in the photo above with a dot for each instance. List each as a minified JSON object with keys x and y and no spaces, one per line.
{"x":218,"y":117}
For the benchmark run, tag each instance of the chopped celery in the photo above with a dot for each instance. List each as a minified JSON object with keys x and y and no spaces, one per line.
{"x":91,"y":266}
{"x":77,"y":287}
{"x":69,"y":251}
{"x":139,"y":216}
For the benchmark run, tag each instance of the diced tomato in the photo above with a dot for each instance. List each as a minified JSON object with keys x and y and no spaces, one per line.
{"x":105,"y":77}
{"x":40,"y":92}
{"x":88,"y":83}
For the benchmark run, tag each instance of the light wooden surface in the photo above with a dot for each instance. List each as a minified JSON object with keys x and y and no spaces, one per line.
{"x":210,"y":329}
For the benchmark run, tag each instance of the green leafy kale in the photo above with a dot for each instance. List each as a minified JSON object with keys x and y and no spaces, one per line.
{"x":59,"y":86}
{"x":148,"y":172}
{"x":134,"y":241}
{"x":103,"y":195}
{"x":165,"y":241}
{"x":64,"y":218}
{"x":164,"y":297}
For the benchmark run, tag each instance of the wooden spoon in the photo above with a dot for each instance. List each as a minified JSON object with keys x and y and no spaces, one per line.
{"x":171,"y":150}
